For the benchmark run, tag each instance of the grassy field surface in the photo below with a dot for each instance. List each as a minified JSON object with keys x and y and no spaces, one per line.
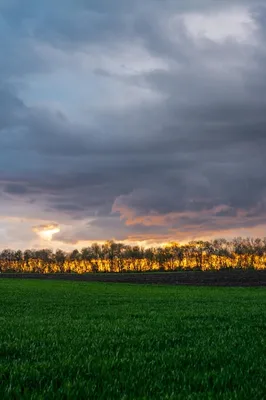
{"x":79,"y":340}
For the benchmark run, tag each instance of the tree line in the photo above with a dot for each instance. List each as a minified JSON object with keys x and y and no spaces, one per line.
{"x":118,"y":257}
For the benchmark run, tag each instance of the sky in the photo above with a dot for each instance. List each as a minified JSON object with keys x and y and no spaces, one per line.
{"x":138,"y":121}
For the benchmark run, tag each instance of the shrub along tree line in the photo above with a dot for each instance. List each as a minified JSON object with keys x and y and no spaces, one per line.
{"x":118,"y":257}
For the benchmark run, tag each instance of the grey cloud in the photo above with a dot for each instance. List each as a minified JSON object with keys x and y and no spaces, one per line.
{"x":110,"y":227}
{"x":16,"y":189}
{"x":73,"y":22}
{"x":201,"y":146}
{"x":67,"y":207}
{"x":231,"y":212}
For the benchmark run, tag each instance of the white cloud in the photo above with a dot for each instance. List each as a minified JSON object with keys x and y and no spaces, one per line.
{"x":235,"y":23}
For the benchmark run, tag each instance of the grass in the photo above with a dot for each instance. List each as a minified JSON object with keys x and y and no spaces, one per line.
{"x":77,"y":340}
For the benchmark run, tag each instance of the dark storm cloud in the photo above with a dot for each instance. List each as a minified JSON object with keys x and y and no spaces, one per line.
{"x":16,"y":189}
{"x":200,"y":146}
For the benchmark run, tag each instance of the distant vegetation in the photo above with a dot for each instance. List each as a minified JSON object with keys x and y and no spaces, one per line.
{"x":117,"y":257}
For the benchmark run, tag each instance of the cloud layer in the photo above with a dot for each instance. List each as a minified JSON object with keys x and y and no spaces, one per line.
{"x":132,"y":121}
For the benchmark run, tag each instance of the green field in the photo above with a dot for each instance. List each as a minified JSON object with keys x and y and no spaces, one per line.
{"x":78,"y":340}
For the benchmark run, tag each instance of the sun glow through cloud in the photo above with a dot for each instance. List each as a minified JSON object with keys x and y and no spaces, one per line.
{"x":46,"y":232}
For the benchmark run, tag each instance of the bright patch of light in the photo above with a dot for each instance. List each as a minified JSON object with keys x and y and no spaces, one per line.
{"x":46,"y":232}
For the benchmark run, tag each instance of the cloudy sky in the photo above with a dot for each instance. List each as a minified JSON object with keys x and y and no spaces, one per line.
{"x":131,"y":120}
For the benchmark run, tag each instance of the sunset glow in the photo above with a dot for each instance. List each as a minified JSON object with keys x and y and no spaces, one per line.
{"x":48,"y":234}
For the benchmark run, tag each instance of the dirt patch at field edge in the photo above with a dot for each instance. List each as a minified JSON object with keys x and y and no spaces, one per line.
{"x":207,"y":278}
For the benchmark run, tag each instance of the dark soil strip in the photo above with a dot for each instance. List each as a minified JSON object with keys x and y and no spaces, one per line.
{"x":207,"y":278}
